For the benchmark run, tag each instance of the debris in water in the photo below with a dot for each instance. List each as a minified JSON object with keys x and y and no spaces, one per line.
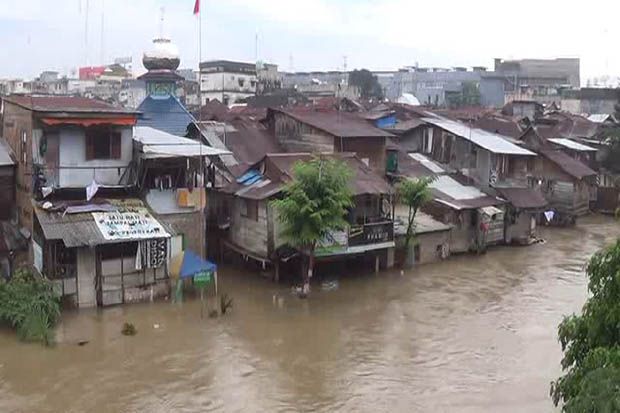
{"x":83,"y":342}
{"x":129,"y":330}
{"x":330,"y":285}
{"x":213,"y":314}
{"x":156,"y":326}
{"x":225,"y":303}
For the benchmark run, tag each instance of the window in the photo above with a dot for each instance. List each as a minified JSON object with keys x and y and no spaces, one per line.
{"x":249,"y":209}
{"x":241,"y":81}
{"x":102,"y":143}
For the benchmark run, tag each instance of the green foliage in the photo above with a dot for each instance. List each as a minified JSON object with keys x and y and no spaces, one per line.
{"x":468,"y":96}
{"x":367,"y":83}
{"x":315,"y":202}
{"x":591,"y":342}
{"x":29,"y":304}
{"x":413,"y":193}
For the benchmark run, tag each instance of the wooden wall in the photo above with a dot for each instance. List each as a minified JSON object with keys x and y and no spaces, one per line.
{"x":247,"y":233}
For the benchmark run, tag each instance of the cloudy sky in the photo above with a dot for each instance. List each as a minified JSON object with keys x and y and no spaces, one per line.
{"x":311,"y":34}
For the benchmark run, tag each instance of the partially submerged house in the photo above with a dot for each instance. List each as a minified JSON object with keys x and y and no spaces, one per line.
{"x":476,"y":218}
{"x":523,"y":208}
{"x":568,"y":184}
{"x":487,"y":158}
{"x":253,"y":229}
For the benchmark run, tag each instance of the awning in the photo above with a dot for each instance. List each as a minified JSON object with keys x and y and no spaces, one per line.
{"x":160,"y":144}
{"x":92,"y":121}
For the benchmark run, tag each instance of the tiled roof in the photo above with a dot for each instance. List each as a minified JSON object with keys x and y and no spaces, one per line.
{"x":73,"y":104}
{"x":165,"y":113}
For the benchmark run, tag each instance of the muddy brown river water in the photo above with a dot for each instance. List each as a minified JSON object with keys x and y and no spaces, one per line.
{"x":472,"y":334}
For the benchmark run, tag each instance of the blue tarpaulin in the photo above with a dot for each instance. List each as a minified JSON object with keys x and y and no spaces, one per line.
{"x":193,"y":264}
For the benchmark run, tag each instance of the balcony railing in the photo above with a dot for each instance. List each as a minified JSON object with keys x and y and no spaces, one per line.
{"x":368,"y":234}
{"x":82,"y":176}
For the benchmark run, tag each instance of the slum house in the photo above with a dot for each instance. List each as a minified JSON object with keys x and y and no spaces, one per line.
{"x":523,"y":209}
{"x":431,"y":242}
{"x":86,"y":227}
{"x":309,"y":130}
{"x":476,"y":218}
{"x":254,"y":232}
{"x":172,"y":174}
{"x":566,"y":182}
{"x":13,"y":245}
{"x":487,"y":158}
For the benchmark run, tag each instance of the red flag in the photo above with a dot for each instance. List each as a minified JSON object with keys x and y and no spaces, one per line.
{"x":197,"y":7}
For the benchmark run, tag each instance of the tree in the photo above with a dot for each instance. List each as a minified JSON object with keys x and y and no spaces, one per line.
{"x":414,"y":193}
{"x":591,"y":342}
{"x":314,"y":203}
{"x":367,"y":83}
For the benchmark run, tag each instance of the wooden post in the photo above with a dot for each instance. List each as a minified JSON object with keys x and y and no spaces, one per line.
{"x":215,"y":279}
{"x":277,"y":269}
{"x":377,"y":263}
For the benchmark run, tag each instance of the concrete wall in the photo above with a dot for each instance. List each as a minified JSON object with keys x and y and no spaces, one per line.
{"x":72,"y":154}
{"x":86,"y":269}
{"x":228,"y":88}
{"x":429,"y":243}
{"x":523,"y":228}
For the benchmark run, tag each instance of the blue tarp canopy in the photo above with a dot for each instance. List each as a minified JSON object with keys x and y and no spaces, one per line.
{"x":193,"y":264}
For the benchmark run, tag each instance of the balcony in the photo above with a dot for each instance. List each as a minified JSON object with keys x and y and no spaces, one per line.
{"x":358,"y":238}
{"x":82,"y":176}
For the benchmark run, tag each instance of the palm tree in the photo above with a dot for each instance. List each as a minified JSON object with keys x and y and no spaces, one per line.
{"x":414,"y":193}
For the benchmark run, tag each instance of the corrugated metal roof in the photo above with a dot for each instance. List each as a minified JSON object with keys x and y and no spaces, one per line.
{"x":279,"y":170}
{"x":432,"y":166}
{"x":73,"y":104}
{"x":456,"y":190}
{"x":165,"y":113}
{"x":568,"y":164}
{"x":80,"y":230}
{"x":157,"y":144}
{"x":490,"y":141}
{"x":6,"y":158}
{"x":335,"y":123}
{"x":523,"y":198}
{"x":567,"y":143}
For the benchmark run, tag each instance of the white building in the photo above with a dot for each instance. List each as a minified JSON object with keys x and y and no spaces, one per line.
{"x":227,"y":81}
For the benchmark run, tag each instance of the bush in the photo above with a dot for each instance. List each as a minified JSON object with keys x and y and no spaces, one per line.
{"x":29,"y":304}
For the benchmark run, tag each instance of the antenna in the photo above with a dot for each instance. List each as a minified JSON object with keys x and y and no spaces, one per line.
{"x":103,"y":32}
{"x":256,"y":47}
{"x":162,"y":17}
{"x":86,"y":32}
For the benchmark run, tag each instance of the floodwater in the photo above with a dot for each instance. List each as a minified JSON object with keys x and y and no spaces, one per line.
{"x":472,"y":334}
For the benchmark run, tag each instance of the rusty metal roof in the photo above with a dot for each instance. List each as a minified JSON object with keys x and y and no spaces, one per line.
{"x":568,"y":164}
{"x":523,"y":198}
{"x":279,"y":170}
{"x":502,"y":125}
{"x":80,"y":230}
{"x":250,"y":141}
{"x":72,"y":104}
{"x":335,"y":123}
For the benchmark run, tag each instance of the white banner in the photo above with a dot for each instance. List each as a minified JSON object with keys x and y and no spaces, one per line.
{"x":132,"y":225}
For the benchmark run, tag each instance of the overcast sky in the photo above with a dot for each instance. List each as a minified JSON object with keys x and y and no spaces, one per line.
{"x":36,"y":35}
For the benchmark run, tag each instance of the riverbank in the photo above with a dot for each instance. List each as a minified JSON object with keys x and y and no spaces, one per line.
{"x":471,"y":334}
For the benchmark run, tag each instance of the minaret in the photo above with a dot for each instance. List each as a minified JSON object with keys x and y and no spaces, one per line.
{"x":161,"y":62}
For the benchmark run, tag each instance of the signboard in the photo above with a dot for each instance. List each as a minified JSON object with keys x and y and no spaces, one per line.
{"x":133,"y":224}
{"x":202,"y":278}
{"x":371,"y":233}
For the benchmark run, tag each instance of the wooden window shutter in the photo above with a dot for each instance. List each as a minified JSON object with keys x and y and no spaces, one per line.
{"x":90,"y":146}
{"x":115,"y":145}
